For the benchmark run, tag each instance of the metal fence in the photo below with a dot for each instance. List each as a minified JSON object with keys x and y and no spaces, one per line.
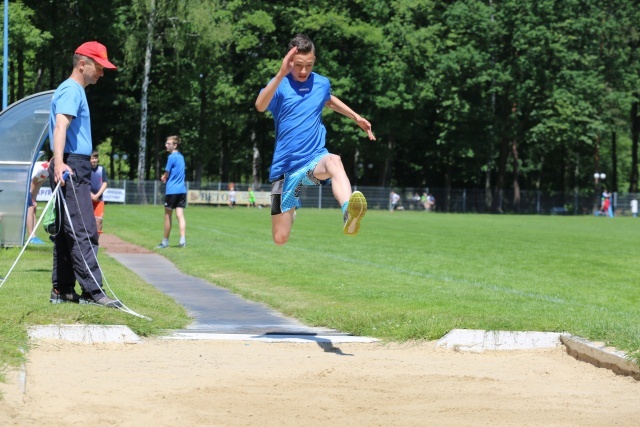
{"x":532,"y":202}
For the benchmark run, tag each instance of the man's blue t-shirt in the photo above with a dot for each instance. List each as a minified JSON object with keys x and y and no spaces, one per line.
{"x":70,"y":98}
{"x":297,"y":113}
{"x":175,"y":168}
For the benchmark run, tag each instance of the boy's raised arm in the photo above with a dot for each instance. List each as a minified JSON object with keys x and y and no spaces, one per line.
{"x":266,"y":94}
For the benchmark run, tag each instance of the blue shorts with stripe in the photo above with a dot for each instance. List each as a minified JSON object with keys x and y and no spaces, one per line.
{"x":285,"y":191}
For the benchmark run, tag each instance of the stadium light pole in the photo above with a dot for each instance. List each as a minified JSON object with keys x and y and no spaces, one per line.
{"x":5,"y":62}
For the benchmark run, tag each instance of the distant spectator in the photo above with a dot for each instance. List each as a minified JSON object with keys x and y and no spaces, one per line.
{"x":38,"y":177}
{"x":175,"y":198}
{"x":99,"y":183}
{"x":232,"y":197}
{"x":252,"y":199}
{"x":431,"y":203}
{"x":394,"y":200}
{"x":634,"y":208}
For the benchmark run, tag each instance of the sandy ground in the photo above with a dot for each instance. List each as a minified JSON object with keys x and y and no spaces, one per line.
{"x":252,"y":383}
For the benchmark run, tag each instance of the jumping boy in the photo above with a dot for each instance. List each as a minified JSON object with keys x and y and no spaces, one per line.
{"x":296,"y":97}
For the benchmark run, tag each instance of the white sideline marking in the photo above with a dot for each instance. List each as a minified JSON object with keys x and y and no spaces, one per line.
{"x":269,"y":338}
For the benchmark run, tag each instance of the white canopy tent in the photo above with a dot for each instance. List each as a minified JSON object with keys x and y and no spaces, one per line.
{"x":24,"y":127}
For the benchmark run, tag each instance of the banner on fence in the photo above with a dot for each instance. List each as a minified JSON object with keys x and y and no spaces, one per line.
{"x":213,"y":197}
{"x":111,"y":195}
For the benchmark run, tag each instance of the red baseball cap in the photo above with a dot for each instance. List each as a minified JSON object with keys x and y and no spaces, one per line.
{"x":97,"y":52}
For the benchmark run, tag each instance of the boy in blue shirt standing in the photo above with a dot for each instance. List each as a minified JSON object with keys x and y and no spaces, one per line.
{"x":296,"y":97}
{"x":176,"y":192}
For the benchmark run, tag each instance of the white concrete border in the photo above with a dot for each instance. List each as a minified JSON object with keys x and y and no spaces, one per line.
{"x":476,"y":340}
{"x":600,"y":356}
{"x":473,"y":340}
{"x":85,"y":333}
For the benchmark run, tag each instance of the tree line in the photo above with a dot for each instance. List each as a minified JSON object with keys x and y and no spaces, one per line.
{"x":493,"y":94}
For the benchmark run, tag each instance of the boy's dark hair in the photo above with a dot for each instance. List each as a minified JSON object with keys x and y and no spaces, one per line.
{"x":303,"y":43}
{"x":95,"y":153}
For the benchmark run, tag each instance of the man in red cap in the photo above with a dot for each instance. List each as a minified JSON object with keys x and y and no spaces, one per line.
{"x":76,"y":244}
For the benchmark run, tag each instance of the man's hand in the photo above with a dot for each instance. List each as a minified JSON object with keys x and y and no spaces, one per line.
{"x":59,"y":169}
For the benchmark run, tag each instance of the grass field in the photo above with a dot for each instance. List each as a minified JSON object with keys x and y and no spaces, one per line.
{"x":407,"y":275}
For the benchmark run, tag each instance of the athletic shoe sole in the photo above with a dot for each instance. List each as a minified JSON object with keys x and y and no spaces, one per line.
{"x":355,"y":211}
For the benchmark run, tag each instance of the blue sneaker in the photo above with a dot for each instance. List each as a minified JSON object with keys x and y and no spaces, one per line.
{"x":36,"y":241}
{"x":162,"y":245}
{"x":355,"y":211}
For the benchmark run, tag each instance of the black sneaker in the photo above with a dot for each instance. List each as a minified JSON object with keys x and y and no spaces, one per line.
{"x":58,"y":298}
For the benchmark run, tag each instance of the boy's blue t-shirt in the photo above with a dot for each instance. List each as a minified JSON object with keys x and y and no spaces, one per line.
{"x":176,"y":169}
{"x":70,"y":98}
{"x":297,"y":113}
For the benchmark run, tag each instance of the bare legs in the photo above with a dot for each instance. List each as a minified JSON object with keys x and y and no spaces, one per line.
{"x":330,"y":166}
{"x":182,"y":223}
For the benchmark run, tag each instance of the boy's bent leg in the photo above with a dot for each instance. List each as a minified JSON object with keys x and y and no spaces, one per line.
{"x":330,"y":166}
{"x":281,"y":226}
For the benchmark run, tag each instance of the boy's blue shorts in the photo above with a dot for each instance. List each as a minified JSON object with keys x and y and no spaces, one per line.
{"x":285,"y":191}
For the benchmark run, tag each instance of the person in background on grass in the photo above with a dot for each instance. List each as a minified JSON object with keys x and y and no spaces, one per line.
{"x":38,"y":177}
{"x":431,"y":203}
{"x":296,"y":97}
{"x":99,"y":183}
{"x":394,"y":200}
{"x":423,"y":200}
{"x":232,"y":197}
{"x":252,"y":199}
{"x":606,"y":202}
{"x":76,"y":244}
{"x":175,"y":198}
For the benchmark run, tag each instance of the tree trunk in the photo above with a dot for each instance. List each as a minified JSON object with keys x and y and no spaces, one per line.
{"x":202,"y":126}
{"x":142,"y":151}
{"x":385,"y":177}
{"x":516,"y":171}
{"x":20,"y":54}
{"x":614,"y":162}
{"x":488,"y":199}
{"x":635,"y":131}
{"x":596,"y":187}
{"x":500,"y":178}
{"x":223,"y":169}
{"x":257,"y":163}
{"x":158,"y":149}
{"x":447,"y":178}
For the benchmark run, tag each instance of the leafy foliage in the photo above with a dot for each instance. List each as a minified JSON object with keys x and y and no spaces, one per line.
{"x":499,"y":93}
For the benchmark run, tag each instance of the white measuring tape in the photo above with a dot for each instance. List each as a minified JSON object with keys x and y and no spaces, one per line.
{"x":54,"y":197}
